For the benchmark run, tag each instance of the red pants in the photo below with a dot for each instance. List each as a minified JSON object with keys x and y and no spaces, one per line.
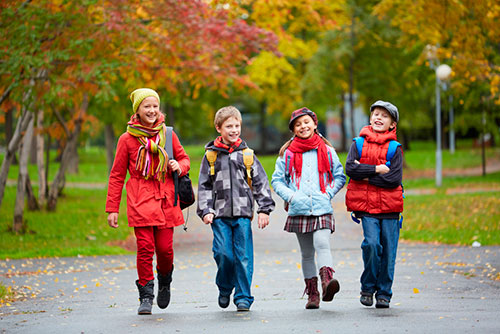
{"x":149,"y":240}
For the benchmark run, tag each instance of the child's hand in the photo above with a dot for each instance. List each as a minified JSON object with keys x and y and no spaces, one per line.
{"x":174,"y":166}
{"x":382,"y":169}
{"x":263,"y":220}
{"x":208,"y":218}
{"x":113,"y":219}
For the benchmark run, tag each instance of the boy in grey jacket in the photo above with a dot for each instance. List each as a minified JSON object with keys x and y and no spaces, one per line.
{"x":231,"y":178}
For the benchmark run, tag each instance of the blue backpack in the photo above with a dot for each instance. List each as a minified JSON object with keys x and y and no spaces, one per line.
{"x":391,"y":150}
{"x":393,"y":146}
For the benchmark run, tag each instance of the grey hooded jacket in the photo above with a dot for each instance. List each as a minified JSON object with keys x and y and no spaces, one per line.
{"x":227,"y":193}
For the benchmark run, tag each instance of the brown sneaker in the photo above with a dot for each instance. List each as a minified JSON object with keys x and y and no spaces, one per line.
{"x":329,"y":285}
{"x":312,"y":292}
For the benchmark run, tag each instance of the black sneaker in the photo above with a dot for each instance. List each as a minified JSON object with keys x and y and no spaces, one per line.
{"x":382,"y":303}
{"x":243,"y":307}
{"x":224,"y":301}
{"x":366,"y":299}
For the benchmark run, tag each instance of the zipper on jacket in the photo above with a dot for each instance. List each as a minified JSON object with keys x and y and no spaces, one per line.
{"x":230,"y":183}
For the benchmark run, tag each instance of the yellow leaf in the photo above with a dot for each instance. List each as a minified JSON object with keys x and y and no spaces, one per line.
{"x":415,"y":290}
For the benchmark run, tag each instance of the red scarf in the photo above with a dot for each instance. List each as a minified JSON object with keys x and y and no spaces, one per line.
{"x":299,"y":146}
{"x":219,"y":143}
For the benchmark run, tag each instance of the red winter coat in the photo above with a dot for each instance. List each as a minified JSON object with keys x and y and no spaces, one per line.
{"x":365,"y":197}
{"x":149,"y":202}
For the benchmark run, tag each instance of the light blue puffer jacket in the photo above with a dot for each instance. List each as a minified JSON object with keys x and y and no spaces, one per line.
{"x":308,"y":200}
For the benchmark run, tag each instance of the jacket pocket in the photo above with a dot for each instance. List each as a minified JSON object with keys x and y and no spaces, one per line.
{"x":301,"y":204}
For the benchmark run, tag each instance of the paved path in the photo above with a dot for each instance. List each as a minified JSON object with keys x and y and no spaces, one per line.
{"x":438,"y":289}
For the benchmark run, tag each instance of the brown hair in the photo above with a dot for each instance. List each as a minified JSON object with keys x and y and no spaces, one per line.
{"x":224,"y":113}
{"x":285,"y":145}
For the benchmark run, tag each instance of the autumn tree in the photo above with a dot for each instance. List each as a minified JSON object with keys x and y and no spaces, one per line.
{"x":467,"y":35}
{"x":77,"y":53}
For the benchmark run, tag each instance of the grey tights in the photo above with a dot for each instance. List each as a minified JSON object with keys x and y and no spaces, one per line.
{"x":315,"y":242}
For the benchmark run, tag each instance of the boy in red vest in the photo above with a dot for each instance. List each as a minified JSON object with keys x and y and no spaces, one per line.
{"x":374,"y":195}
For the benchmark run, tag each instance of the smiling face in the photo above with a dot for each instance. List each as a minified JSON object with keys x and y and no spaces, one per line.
{"x":381,"y":121}
{"x":304,"y":127}
{"x":230,"y":130}
{"x":148,"y":111}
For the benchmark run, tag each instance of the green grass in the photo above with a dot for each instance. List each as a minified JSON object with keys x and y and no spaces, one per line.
{"x":453,"y":219}
{"x":78,"y":227}
{"x":478,"y":181}
{"x":465,"y":158}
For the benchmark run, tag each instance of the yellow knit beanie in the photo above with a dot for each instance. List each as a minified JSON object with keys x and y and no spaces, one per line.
{"x":140,"y":94}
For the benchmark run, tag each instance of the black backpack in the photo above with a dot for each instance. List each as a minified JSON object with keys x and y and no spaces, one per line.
{"x":183,"y":186}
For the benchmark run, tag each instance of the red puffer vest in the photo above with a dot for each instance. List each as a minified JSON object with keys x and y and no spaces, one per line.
{"x":362,"y":196}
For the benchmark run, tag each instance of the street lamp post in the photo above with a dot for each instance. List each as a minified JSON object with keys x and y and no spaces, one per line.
{"x":451,"y":121}
{"x":443,"y":72}
{"x":439,"y":155}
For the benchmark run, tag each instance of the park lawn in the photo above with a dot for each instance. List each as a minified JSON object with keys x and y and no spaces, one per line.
{"x":489,"y":181}
{"x":78,"y":227}
{"x":453,"y":219}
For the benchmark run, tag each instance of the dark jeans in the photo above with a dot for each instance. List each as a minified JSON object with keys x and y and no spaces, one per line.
{"x":233,"y":253}
{"x":379,"y":247}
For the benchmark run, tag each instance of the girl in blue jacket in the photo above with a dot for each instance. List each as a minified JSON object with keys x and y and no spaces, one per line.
{"x":307,"y":175}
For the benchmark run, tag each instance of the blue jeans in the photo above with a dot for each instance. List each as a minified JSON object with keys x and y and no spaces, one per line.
{"x":379,"y":255}
{"x":233,"y":253}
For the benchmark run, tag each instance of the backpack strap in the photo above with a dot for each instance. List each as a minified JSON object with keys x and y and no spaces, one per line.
{"x":288,"y":157}
{"x":211,"y":157}
{"x":248,"y":162}
{"x":359,"y":144}
{"x":393,"y":146}
{"x":170,"y":153}
{"x":168,"y":142}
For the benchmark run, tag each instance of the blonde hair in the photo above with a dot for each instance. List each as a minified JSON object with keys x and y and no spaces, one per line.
{"x":285,"y":145}
{"x":224,"y":113}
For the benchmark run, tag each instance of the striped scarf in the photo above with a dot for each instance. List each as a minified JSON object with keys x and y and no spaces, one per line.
{"x":152,"y":145}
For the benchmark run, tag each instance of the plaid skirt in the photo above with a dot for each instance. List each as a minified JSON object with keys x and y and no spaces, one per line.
{"x":306,"y":224}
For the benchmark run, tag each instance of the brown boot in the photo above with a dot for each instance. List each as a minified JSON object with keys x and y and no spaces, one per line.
{"x":312,"y":292}
{"x":329,"y":284}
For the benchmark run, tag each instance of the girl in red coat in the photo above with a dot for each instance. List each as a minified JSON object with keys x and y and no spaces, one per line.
{"x":150,"y":193}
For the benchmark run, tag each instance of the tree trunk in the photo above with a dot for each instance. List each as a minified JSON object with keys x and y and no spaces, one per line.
{"x":9,"y":123}
{"x":483,"y":144}
{"x":47,"y":165}
{"x":31,"y":197}
{"x":170,"y":115}
{"x":71,"y":145}
{"x":351,"y":79}
{"x":17,"y":137}
{"x":12,"y":147}
{"x":33,"y":148}
{"x":40,"y":148}
{"x":109,"y":140}
{"x":74,"y":159}
{"x":19,"y":223}
{"x":342,"y":123}
{"x":262,"y":126}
